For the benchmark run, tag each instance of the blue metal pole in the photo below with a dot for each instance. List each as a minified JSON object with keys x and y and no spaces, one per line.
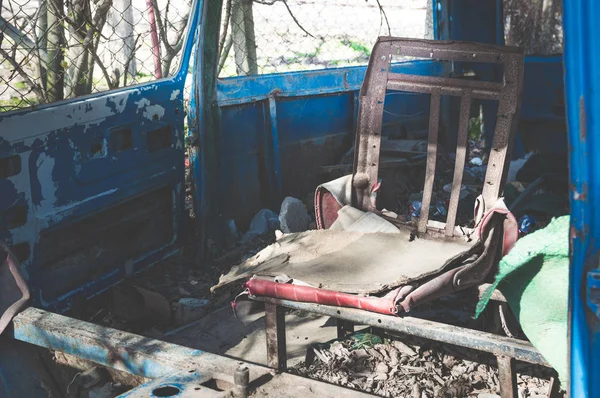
{"x":582,"y":86}
{"x":276,"y":184}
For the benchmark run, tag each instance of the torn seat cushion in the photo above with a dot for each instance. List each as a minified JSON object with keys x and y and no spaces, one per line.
{"x":330,"y":198}
{"x":351,"y":262}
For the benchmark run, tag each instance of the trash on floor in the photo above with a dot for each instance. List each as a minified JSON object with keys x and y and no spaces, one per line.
{"x":293,"y":216}
{"x":413,"y":368}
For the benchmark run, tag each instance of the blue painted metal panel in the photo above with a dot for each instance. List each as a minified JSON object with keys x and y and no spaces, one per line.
{"x":542,"y":124}
{"x":315,"y":126}
{"x":236,"y":90}
{"x":582,"y":84}
{"x":83,"y":162}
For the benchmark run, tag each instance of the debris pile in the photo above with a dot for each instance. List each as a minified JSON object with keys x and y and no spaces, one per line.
{"x":416,"y":369}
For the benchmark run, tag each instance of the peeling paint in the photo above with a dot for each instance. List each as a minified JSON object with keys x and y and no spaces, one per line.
{"x":67,"y":172}
{"x":90,"y":112}
{"x":45,"y":167}
{"x":144,"y":102}
{"x":154,"y":112}
{"x":151,"y":112}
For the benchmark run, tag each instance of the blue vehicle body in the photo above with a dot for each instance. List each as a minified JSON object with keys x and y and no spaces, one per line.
{"x":107,"y":171}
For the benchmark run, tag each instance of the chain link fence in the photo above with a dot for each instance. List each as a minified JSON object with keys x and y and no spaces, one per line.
{"x":56,"y":49}
{"x":534,"y":25}
{"x":269,"y":36}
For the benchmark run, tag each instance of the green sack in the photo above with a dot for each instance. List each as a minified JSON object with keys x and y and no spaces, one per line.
{"x":534,"y":278}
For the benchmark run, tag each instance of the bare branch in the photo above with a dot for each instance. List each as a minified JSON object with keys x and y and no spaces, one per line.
{"x":266,"y":3}
{"x":225,"y":53}
{"x":180,"y":32}
{"x":34,"y":86}
{"x":383,"y":15}
{"x":225,"y":27}
{"x":161,"y":26}
{"x":296,"y":21}
{"x":109,"y":81}
{"x":130,"y":58}
{"x":39,"y":65}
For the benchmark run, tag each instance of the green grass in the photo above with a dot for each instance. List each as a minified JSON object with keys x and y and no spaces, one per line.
{"x":300,"y":57}
{"x":20,"y":85}
{"x":357,"y":46}
{"x":143,"y":74}
{"x":16,"y":103}
{"x":475,"y":128}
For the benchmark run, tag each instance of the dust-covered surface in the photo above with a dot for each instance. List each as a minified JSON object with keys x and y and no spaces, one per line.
{"x":414,"y":368}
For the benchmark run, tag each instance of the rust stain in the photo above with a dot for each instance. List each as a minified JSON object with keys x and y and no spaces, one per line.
{"x":582,"y":195}
{"x":575,"y":234}
{"x":582,"y":119}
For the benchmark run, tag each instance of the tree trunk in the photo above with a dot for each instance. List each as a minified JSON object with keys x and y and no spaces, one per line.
{"x":78,"y":72}
{"x":56,"y":42}
{"x":534,"y":25}
{"x":41,"y":38}
{"x":429,"y":30}
{"x":244,"y":42}
{"x":120,"y":22}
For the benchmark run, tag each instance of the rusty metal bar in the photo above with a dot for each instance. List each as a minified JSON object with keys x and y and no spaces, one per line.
{"x":459,"y":163}
{"x":450,"y":50}
{"x":508,"y":376}
{"x":446,"y":85}
{"x":378,"y":79}
{"x":508,"y":112}
{"x":468,"y":338}
{"x":434,"y":123}
{"x":163,"y":362}
{"x":275,"y":332}
{"x":368,"y":137}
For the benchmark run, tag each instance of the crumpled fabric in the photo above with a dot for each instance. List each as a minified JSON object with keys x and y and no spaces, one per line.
{"x":511,"y":226}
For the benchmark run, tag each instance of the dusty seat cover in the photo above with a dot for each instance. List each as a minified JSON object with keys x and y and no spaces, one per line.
{"x":350,"y":262}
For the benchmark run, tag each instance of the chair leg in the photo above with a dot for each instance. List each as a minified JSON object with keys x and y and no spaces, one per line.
{"x":508,"y":377}
{"x":275,"y":331}
{"x":554,"y":389}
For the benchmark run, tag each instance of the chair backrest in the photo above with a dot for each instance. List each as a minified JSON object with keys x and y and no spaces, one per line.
{"x":379,"y":78}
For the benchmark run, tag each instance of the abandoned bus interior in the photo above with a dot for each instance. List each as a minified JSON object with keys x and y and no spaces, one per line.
{"x":297,"y":198}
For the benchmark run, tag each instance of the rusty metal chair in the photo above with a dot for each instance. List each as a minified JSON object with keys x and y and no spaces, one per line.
{"x":313,"y":285}
{"x":460,"y":273}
